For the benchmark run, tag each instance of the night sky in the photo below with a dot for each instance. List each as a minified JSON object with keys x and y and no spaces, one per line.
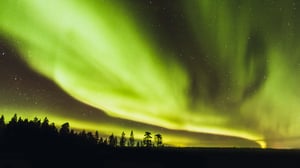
{"x":217,"y":73}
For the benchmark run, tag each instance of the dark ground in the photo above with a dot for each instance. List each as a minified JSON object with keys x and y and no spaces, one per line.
{"x":147,"y":157}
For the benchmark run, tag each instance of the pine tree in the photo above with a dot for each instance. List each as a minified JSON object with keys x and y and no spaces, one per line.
{"x":131,"y":140}
{"x":2,"y":122}
{"x":2,"y":127}
{"x":101,"y":141}
{"x":13,"y":120}
{"x":112,"y":140}
{"x":122,"y":140}
{"x":105,"y":142}
{"x":45,"y":123}
{"x":97,"y":136}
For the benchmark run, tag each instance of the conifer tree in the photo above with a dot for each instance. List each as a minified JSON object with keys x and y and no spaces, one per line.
{"x":122,"y":140}
{"x":131,"y":139}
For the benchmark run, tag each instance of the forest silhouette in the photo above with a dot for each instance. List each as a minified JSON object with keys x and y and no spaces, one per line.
{"x":39,"y":143}
{"x":20,"y":132}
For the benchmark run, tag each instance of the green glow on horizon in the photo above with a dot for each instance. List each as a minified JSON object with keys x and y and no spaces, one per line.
{"x":99,"y":55}
{"x":105,"y":129}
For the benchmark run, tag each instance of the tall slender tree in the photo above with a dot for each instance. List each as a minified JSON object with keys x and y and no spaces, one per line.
{"x":123,"y":140}
{"x":2,"y":128}
{"x":97,"y":136}
{"x":131,"y":140}
{"x":2,"y":122}
{"x":101,"y":141}
{"x":112,"y":140}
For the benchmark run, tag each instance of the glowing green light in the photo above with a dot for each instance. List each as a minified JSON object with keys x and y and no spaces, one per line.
{"x":255,"y":43}
{"x":98,"y":53}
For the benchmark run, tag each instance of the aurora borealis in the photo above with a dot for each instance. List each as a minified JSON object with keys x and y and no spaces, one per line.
{"x":201,"y":72}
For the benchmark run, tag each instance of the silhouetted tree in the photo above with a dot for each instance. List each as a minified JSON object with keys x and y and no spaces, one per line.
{"x":65,"y":129}
{"x":37,"y":122}
{"x":90,"y":138}
{"x":122,"y":140}
{"x":12,"y":130}
{"x":139,"y":144}
{"x":45,"y":123}
{"x":13,"y":120}
{"x":158,"y":140}
{"x":83,"y":133}
{"x":72,"y":132}
{"x":2,"y":128}
{"x":105,"y":142}
{"x":2,"y":122}
{"x":147,"y":139}
{"x":23,"y":132}
{"x":131,"y":140}
{"x":101,"y":140}
{"x":20,"y":120}
{"x":112,"y":140}
{"x":53,"y":129}
{"x":97,"y":136}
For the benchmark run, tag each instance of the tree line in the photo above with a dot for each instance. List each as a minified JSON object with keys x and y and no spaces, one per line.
{"x":19,"y":131}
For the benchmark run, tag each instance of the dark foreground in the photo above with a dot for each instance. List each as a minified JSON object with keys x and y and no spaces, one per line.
{"x":147,"y":157}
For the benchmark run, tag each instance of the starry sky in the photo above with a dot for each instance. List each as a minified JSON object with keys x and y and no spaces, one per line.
{"x":212,"y":73}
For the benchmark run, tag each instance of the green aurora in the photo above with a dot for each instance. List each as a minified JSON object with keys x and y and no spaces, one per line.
{"x":226,"y":68}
